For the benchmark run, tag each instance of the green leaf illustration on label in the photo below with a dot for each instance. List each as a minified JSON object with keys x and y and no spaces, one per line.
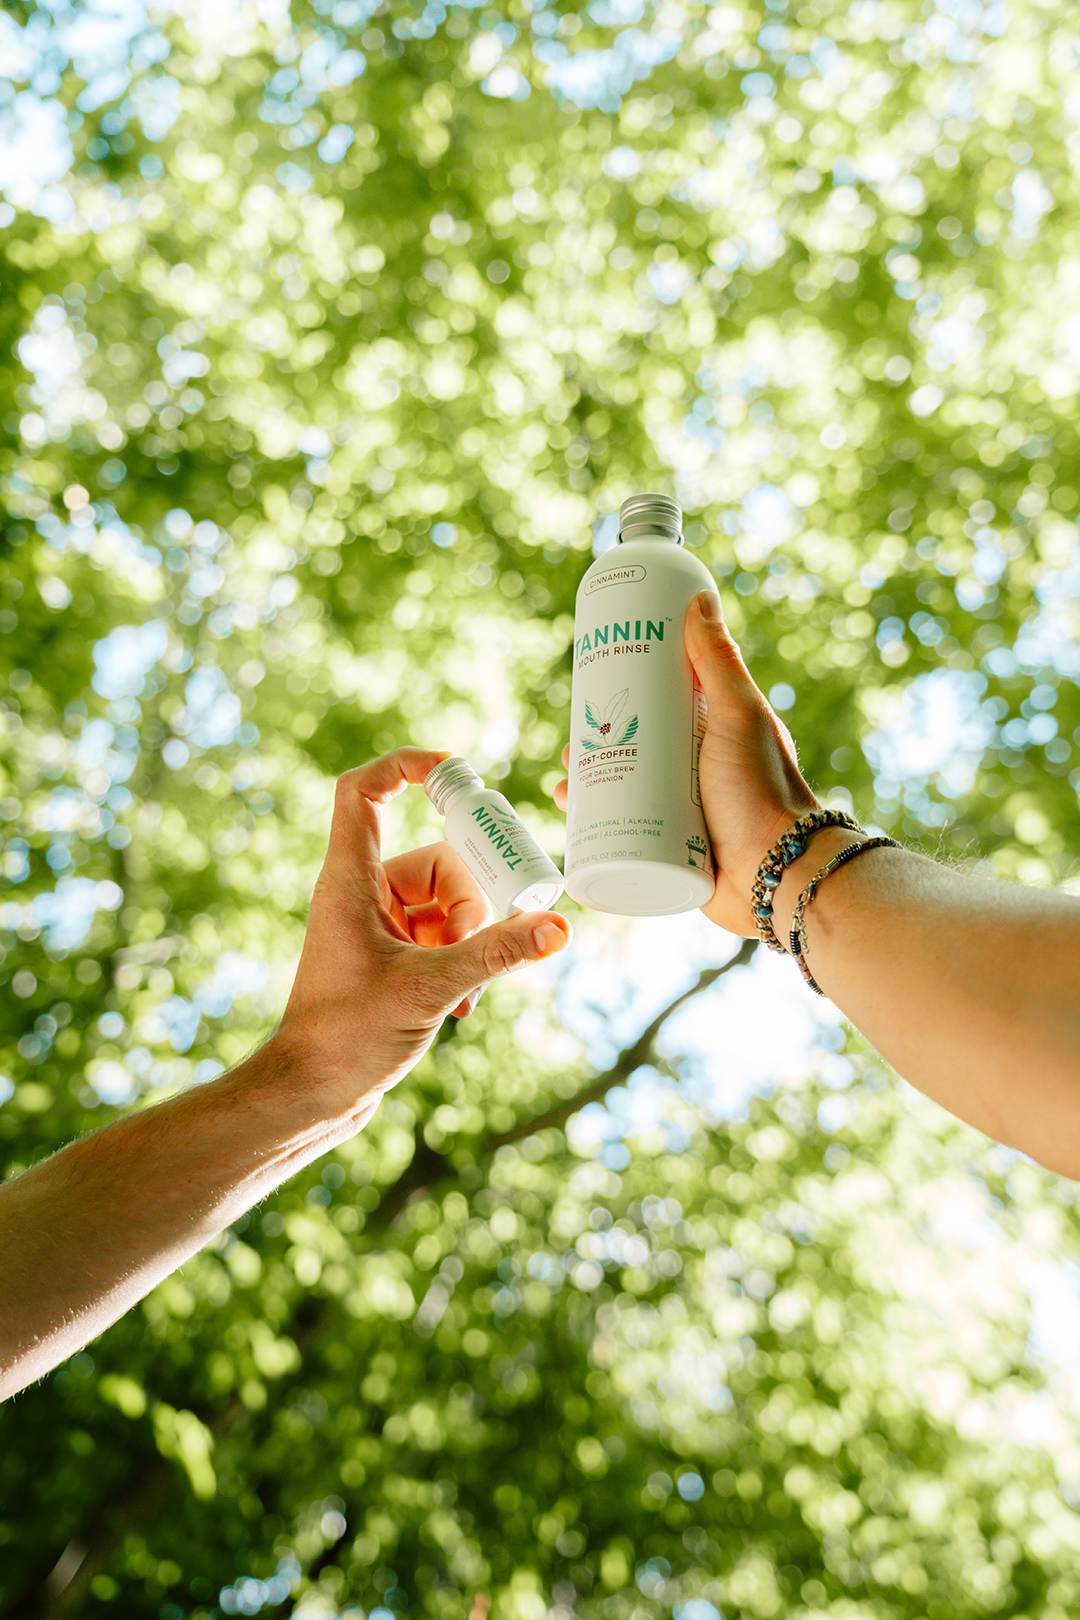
{"x":603,"y":720}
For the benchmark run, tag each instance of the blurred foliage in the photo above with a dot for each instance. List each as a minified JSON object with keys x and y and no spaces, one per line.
{"x":325,"y":358}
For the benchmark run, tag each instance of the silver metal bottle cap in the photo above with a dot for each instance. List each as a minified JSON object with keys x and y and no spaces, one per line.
{"x":651,"y":514}
{"x":447,"y":779}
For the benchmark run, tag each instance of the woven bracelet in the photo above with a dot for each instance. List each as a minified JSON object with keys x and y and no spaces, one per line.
{"x":798,"y":924}
{"x":788,"y":847}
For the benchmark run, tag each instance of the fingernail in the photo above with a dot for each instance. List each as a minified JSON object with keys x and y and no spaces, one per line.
{"x":550,"y":937}
{"x":708,"y":606}
{"x":473,"y":998}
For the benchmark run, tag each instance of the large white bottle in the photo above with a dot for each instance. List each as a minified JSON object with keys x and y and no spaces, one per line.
{"x":636,"y":840}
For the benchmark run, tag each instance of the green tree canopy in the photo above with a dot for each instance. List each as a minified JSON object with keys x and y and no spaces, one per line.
{"x":334,"y":335}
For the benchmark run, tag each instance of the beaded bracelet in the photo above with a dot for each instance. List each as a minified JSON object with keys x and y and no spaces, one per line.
{"x":798,"y":925}
{"x":788,"y":847}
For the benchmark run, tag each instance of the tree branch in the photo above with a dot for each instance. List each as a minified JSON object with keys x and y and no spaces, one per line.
{"x":629,"y":1059}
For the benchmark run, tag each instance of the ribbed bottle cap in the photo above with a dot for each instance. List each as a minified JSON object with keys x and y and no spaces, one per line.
{"x":650,"y":514}
{"x":447,"y":779}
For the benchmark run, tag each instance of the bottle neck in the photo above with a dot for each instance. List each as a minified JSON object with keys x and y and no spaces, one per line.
{"x":651,"y":535}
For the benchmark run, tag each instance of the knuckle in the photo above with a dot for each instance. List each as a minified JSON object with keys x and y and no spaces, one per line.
{"x":728,"y":650}
{"x":345,"y":786}
{"x":502,"y":955}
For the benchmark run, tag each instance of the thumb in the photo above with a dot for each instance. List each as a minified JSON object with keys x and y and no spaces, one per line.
{"x":718,"y":663}
{"x":491,"y":952}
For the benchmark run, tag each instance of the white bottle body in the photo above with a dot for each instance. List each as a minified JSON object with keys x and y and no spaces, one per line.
{"x":636,"y":840}
{"x":501,"y":852}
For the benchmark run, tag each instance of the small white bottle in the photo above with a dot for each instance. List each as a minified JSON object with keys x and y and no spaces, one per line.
{"x":492,"y":840}
{"x":636,"y":840}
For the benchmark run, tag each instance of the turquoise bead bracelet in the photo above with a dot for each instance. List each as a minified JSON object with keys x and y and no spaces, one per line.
{"x":788,"y":847}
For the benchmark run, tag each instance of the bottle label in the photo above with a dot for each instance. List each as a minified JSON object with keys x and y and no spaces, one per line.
{"x":498,"y":848}
{"x":485,"y":869}
{"x":506,"y":835}
{"x":636,"y":725}
{"x":614,"y":576}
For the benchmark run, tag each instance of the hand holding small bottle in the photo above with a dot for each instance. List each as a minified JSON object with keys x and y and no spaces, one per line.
{"x":393,"y":946}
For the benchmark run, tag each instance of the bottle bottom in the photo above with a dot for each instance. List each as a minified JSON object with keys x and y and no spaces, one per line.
{"x":537,"y":897}
{"x":639,"y":888}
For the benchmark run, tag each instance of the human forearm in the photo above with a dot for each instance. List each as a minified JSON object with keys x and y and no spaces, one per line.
{"x":88,"y":1232}
{"x":391,"y":948}
{"x":969,"y":988}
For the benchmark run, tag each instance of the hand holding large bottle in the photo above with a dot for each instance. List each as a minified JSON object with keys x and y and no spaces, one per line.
{"x":751,"y":787}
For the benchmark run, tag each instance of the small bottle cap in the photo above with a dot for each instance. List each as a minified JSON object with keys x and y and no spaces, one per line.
{"x":651,"y":514}
{"x":447,"y":779}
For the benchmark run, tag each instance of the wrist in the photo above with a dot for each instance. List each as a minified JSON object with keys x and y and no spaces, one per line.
{"x":304,"y":1087}
{"x":823,"y":845}
{"x":264,"y":1108}
{"x":766,"y":836}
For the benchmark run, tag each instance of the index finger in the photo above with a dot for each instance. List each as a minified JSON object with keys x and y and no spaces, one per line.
{"x":354,"y":831}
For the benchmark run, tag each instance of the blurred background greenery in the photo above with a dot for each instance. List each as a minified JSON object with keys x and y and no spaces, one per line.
{"x":334,"y":335}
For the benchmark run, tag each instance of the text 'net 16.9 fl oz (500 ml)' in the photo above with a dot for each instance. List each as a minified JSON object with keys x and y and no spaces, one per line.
{"x":636,"y":840}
